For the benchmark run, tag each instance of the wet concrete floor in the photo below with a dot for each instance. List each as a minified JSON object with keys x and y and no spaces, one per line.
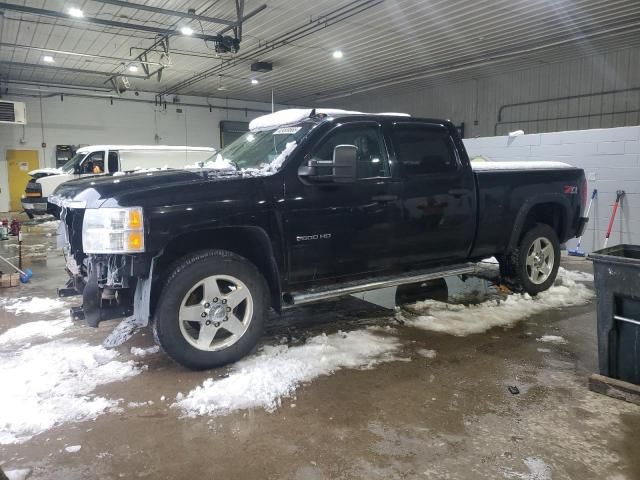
{"x":448,"y":417}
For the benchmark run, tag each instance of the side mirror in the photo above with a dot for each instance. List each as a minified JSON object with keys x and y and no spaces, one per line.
{"x":344,"y":163}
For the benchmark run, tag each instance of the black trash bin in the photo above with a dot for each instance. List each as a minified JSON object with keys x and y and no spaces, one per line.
{"x":617,"y":281}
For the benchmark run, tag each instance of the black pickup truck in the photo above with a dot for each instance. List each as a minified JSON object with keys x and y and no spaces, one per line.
{"x":308,"y":205}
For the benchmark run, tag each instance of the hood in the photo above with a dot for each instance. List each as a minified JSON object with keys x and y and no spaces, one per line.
{"x":45,"y":172}
{"x":137,"y":189}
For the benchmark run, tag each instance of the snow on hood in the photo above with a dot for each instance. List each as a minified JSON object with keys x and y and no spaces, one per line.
{"x":294,"y":115}
{"x":489,"y":165}
{"x":219,"y":163}
{"x":47,"y":171}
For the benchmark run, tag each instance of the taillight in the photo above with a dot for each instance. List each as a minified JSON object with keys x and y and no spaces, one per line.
{"x":583,"y":193}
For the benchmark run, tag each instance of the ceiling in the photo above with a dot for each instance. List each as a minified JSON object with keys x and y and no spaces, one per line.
{"x":387,"y":44}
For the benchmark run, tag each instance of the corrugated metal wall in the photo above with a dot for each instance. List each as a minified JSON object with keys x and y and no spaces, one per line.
{"x":477,"y":102}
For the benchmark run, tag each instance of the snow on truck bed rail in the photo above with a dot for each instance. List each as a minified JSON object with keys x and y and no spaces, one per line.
{"x":490,"y":166}
{"x":293,"y":115}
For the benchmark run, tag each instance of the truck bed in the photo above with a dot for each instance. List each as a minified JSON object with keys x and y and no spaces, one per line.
{"x":505,"y":187}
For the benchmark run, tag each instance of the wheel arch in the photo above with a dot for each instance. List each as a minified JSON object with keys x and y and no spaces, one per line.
{"x":551,"y":209}
{"x":250,"y":242}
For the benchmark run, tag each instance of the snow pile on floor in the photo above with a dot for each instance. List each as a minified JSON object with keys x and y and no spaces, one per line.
{"x":50,"y":384}
{"x":41,"y":328}
{"x":143,"y":352}
{"x":553,"y":339}
{"x":426,"y":353}
{"x":538,"y":470}
{"x":461,"y":320}
{"x":264,"y":379}
{"x":18,"y":474}
{"x":31,"y":304}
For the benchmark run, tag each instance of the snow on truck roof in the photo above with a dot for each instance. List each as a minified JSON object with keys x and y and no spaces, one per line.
{"x":294,"y":115}
{"x":524,"y":165}
{"x":170,"y":148}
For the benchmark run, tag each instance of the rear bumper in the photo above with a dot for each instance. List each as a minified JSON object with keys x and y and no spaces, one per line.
{"x":35,"y":205}
{"x":582,"y":223}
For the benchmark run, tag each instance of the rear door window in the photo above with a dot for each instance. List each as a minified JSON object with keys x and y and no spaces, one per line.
{"x":424,"y":149}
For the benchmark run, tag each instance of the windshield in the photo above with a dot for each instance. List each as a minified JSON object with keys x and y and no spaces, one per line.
{"x":74,"y":162}
{"x":262,"y":151}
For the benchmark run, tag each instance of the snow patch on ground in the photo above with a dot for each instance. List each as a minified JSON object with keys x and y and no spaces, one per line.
{"x":261,"y":381}
{"x":41,"y":328}
{"x":143,"y":352}
{"x":18,"y":474}
{"x":538,"y":470}
{"x":423,"y":352}
{"x":51,"y":384}
{"x":553,"y":339}
{"x":457,"y":319}
{"x":21,"y":305}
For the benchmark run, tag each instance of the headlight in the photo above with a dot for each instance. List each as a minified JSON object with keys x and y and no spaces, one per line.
{"x":113,"y":230}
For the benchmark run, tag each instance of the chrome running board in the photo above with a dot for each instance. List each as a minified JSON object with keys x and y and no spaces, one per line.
{"x":338,"y":290}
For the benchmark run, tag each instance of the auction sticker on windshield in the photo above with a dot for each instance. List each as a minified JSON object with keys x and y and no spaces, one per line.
{"x":287,"y":130}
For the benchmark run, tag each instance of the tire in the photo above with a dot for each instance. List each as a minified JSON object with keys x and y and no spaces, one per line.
{"x":533,"y":266}
{"x":212,"y":309}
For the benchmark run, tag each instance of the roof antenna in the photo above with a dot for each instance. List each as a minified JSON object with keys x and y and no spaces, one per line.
{"x":313,"y":112}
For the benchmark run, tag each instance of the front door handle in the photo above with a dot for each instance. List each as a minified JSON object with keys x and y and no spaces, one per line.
{"x":384,"y":198}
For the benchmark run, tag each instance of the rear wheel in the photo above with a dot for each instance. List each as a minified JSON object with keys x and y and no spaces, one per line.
{"x":533,"y":266}
{"x":212,"y":309}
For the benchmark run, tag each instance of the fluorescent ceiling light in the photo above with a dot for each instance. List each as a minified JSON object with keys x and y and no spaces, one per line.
{"x":48,"y":59}
{"x":75,"y":12}
{"x":133,"y":68}
{"x":186,"y":31}
{"x":338,"y":54}
{"x":254,"y":81}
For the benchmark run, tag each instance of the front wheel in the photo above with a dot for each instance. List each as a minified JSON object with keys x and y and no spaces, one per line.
{"x":533,"y":266}
{"x":212,"y":309}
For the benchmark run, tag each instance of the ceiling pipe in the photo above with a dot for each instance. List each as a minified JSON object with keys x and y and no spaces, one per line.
{"x":173,"y":13}
{"x":67,"y":69}
{"x":84,"y":55}
{"x":100,"y":21}
{"x":53,"y":85}
{"x":115,"y":98}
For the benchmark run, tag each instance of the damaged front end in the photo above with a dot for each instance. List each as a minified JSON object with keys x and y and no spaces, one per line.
{"x":106,"y":263}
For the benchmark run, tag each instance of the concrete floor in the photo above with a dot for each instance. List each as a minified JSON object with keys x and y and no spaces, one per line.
{"x":451,"y":416}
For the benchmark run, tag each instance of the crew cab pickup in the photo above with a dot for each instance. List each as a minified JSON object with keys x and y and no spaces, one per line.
{"x":308,"y":205}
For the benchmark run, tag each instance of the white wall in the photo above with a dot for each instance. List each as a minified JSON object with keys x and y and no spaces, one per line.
{"x":90,"y":121}
{"x":610,"y":158}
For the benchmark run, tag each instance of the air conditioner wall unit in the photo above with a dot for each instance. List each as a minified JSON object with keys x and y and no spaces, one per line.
{"x":13,"y":112}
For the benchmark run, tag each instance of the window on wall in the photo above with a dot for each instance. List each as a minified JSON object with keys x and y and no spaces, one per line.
{"x":371,"y":155}
{"x":424,"y":149}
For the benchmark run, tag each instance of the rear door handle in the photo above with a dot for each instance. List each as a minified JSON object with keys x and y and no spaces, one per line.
{"x":384,"y":198}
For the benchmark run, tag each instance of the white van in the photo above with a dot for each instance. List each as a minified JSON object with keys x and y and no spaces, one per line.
{"x":106,"y":159}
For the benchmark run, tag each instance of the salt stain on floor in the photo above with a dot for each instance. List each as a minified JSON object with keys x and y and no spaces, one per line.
{"x":461,"y":320}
